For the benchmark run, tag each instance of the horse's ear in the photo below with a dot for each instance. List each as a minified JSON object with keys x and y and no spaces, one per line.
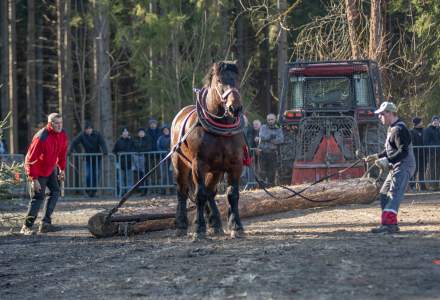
{"x":215,"y":68}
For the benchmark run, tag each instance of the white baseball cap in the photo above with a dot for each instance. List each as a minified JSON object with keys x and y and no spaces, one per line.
{"x":386,"y":106}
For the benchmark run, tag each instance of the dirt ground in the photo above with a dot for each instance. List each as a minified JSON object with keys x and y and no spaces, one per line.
{"x":323,"y":253}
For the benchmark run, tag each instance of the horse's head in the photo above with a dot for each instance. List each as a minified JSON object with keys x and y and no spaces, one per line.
{"x":223,"y":82}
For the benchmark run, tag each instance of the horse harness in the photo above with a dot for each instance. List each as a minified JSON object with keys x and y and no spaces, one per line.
{"x":209,"y":121}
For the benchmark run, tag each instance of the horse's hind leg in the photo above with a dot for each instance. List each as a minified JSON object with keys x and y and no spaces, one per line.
{"x":182,"y":176}
{"x":233,"y":195}
{"x":214,"y":218}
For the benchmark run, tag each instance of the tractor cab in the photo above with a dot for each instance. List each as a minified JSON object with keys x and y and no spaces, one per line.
{"x":327,"y":110}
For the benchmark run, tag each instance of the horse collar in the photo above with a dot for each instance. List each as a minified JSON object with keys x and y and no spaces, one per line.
{"x":206,"y":118}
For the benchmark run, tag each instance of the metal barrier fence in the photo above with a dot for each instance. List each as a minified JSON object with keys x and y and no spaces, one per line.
{"x":115,"y":174}
{"x":131,"y":167}
{"x":427,"y":175}
{"x":91,"y":173}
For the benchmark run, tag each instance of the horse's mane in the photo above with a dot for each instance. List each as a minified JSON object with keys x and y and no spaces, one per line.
{"x":220,"y":68}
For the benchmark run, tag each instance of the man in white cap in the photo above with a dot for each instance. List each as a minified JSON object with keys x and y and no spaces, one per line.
{"x":398,"y":156}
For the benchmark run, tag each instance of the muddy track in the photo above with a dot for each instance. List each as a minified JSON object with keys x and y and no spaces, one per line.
{"x":322,"y":253}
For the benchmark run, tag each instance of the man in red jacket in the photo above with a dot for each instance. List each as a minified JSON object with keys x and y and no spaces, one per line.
{"x":46,"y":152}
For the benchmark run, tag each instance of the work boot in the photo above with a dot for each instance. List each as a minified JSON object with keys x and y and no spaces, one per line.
{"x":47,"y":227}
{"x":386,"y":229}
{"x":26,"y":230}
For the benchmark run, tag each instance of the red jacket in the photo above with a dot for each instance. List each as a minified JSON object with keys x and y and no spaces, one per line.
{"x":48,"y":148}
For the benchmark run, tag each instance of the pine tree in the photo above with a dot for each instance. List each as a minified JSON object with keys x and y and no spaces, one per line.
{"x":11,"y":176}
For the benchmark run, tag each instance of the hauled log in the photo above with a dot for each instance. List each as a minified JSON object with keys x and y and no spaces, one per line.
{"x":258,"y":202}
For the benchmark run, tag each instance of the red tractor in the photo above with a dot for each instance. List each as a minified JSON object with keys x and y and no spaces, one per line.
{"x":327,"y":114}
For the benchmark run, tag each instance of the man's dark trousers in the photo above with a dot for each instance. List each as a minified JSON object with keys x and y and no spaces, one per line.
{"x":93,"y":170}
{"x":268,"y":164}
{"x":52,"y":183}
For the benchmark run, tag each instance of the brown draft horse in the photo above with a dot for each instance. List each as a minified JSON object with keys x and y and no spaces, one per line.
{"x":205,"y":156}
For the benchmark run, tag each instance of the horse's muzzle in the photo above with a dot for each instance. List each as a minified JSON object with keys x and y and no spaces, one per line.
{"x":235,"y":111}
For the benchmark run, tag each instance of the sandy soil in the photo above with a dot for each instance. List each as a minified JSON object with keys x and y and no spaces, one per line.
{"x":322,"y":253}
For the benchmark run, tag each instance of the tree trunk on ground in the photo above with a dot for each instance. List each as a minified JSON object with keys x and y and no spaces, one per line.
{"x":101,"y":28}
{"x":351,"y":9}
{"x":12,"y":80}
{"x":281,"y":48}
{"x":257,"y":202}
{"x":31,"y":72}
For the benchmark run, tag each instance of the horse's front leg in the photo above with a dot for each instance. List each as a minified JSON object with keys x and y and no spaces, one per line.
{"x":233,"y":195}
{"x":200,"y":198}
{"x":214,"y":218}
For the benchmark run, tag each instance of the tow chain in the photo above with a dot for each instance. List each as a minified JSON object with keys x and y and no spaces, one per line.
{"x":262,"y":185}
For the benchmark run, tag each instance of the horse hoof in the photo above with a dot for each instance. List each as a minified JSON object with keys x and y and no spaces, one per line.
{"x":236,"y":234}
{"x":199,"y":236}
{"x":181,"y":232}
{"x":216,"y":232}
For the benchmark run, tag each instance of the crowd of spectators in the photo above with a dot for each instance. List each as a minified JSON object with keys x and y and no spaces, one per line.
{"x":427,"y":142}
{"x":135,"y":155}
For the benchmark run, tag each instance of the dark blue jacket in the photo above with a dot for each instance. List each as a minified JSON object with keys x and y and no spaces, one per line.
{"x":154,"y":135}
{"x":417,"y":136}
{"x":124,"y":145}
{"x":3,"y":147}
{"x":143,"y":144}
{"x":92,"y":143}
{"x":431,"y":136}
{"x":163,"y":143}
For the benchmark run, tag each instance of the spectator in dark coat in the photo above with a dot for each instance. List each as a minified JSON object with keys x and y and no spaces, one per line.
{"x":3,"y":145}
{"x":93,"y":143}
{"x":123,"y":149}
{"x":431,"y":134}
{"x":142,"y":145}
{"x":270,"y":137}
{"x":417,"y":140}
{"x":163,"y":144}
{"x":153,"y":132}
{"x":431,"y":137}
